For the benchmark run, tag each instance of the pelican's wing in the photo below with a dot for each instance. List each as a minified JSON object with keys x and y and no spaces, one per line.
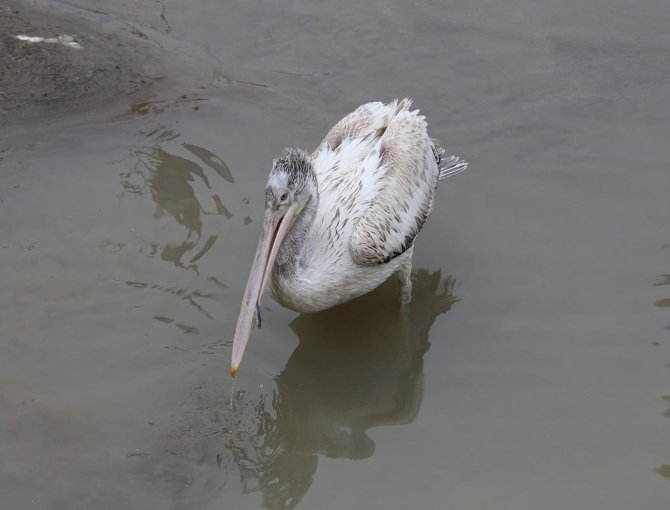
{"x":405,"y":180}
{"x":377,"y":170}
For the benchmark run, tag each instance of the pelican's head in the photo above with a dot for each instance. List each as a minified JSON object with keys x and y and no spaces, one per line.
{"x":291,"y":185}
{"x":291,"y":182}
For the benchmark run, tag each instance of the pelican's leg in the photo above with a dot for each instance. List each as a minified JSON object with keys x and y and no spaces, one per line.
{"x":405,"y":275}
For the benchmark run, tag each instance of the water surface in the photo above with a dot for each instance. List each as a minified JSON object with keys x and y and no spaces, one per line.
{"x":531,"y":369}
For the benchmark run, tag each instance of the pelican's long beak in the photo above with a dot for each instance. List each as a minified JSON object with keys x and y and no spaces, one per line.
{"x":275,"y":227}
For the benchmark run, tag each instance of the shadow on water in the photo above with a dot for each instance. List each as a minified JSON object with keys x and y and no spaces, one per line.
{"x":357,"y":366}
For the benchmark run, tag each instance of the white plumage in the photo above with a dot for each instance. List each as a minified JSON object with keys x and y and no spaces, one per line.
{"x":377,"y":172}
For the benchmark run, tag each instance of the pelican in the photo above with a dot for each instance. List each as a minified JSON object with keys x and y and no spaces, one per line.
{"x":341,"y":220}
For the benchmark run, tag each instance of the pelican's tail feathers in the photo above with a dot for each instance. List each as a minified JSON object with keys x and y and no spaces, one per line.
{"x":450,"y":165}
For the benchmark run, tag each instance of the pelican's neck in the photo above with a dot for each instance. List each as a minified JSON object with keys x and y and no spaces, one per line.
{"x":293,"y":246}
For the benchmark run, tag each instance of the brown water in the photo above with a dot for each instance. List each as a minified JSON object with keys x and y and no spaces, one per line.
{"x":531,"y":369}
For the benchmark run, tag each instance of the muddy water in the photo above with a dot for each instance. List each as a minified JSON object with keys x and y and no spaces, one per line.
{"x":531,"y":369}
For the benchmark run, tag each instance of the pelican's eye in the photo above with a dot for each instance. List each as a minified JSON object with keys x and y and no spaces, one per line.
{"x":283,"y":197}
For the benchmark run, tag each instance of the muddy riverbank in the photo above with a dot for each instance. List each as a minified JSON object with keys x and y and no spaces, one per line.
{"x":101,"y":68}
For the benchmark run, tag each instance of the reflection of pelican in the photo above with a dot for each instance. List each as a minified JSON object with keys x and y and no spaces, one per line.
{"x":357,"y":366}
{"x":342,"y":220}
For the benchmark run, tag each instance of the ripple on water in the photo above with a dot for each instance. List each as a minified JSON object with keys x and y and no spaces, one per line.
{"x":186,"y":183}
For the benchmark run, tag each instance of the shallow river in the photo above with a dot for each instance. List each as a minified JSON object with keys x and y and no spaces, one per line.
{"x":531,"y":370}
